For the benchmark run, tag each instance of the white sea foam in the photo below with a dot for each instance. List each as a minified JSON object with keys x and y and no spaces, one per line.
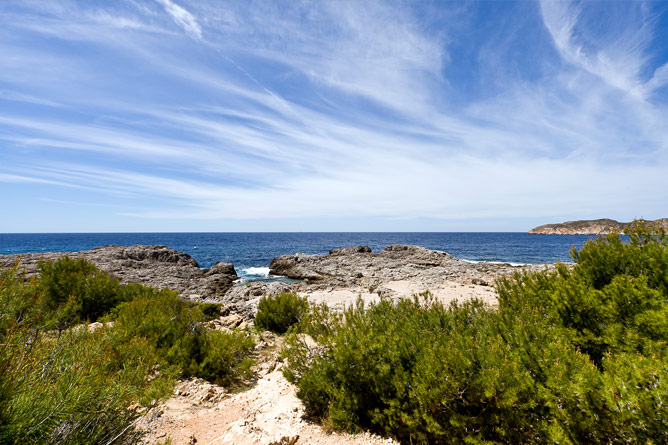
{"x":256,"y":271}
{"x":497,"y":262}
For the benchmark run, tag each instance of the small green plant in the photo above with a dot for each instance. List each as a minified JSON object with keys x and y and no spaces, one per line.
{"x":211,"y":310}
{"x":20,"y":301}
{"x":285,"y":440}
{"x":175,"y":329}
{"x":421,"y":372}
{"x":277,"y":313}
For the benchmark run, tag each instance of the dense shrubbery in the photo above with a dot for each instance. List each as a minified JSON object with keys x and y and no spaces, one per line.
{"x":573,"y":356}
{"x":174,"y":329}
{"x":79,"y":387}
{"x":64,"y":384}
{"x":277,"y":313}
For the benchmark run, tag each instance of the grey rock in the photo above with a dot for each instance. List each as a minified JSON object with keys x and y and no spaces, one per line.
{"x":349,"y":250}
{"x":362,"y":268}
{"x":156,"y":266}
{"x":222,"y":269}
{"x":215,"y":281}
{"x":243,"y":298}
{"x":162,"y":267}
{"x":479,"y":282}
{"x":294,"y":266}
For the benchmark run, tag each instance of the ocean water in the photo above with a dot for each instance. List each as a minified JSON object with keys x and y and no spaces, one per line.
{"x":251,"y":252}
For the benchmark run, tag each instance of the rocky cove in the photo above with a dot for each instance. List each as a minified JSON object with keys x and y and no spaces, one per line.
{"x":201,"y":412}
{"x":336,"y":278}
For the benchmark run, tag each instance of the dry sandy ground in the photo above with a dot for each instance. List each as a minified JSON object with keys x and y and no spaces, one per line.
{"x":446,"y":291}
{"x":202,"y":413}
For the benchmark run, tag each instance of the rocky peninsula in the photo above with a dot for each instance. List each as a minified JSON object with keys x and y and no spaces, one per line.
{"x":591,"y":227}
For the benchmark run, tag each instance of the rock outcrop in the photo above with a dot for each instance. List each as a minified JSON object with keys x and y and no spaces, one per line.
{"x":359,"y":267}
{"x":243,"y":298}
{"x":591,"y":227}
{"x":398,"y":271}
{"x":155,"y":266}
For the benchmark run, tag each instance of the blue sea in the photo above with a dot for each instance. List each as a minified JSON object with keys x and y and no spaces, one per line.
{"x":251,"y":252}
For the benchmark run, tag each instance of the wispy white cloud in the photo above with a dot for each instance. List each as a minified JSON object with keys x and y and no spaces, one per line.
{"x":22,"y":97}
{"x":371,"y":50}
{"x":182,"y":18}
{"x":443,"y":191}
{"x":658,"y":80}
{"x":323,"y":110}
{"x":619,"y":59}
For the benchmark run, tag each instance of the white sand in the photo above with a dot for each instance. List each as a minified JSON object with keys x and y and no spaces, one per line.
{"x":445,"y":291}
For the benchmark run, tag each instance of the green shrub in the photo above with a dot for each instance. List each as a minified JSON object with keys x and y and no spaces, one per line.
{"x":577,"y":355}
{"x":175,"y":329}
{"x":19,"y":301}
{"x":61,"y":383}
{"x":74,"y":291}
{"x":615,"y":299}
{"x":636,"y":387}
{"x":224,"y":357}
{"x":211,"y":310}
{"x":645,"y":254}
{"x":424,"y":373}
{"x":76,"y":388}
{"x":277,"y":313}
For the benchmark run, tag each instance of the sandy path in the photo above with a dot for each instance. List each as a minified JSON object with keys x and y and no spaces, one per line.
{"x":263,"y":414}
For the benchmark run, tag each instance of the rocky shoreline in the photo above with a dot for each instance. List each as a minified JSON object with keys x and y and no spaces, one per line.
{"x":201,"y":412}
{"x":336,"y":278}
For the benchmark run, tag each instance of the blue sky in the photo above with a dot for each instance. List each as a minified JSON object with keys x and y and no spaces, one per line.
{"x":182,"y":115}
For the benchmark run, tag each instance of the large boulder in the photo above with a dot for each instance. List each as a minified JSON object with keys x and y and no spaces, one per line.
{"x":215,"y":282}
{"x":298,"y":266}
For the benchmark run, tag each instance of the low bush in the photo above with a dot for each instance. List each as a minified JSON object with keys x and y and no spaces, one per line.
{"x":74,"y":387}
{"x":61,"y":383}
{"x":615,"y":300}
{"x":572,"y":356}
{"x":211,"y":310}
{"x":74,"y":291}
{"x":421,"y":372}
{"x":20,"y":301}
{"x":224,"y":357}
{"x":175,"y":329}
{"x":277,"y":313}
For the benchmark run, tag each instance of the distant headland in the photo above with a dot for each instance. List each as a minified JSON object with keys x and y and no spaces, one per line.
{"x":590,"y":227}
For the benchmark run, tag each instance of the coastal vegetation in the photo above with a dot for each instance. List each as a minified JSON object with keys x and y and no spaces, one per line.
{"x":577,"y":355}
{"x":65,"y":379}
{"x":277,"y":313}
